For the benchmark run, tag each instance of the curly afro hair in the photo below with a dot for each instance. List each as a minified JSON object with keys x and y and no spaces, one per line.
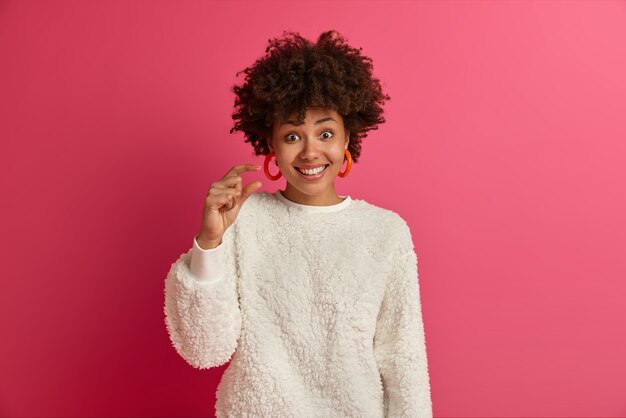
{"x":295,"y":74}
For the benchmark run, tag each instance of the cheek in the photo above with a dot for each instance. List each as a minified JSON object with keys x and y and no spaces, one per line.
{"x":284,"y":155}
{"x":339,"y":155}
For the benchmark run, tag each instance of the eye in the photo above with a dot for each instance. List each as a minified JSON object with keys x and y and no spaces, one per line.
{"x":328,"y":132}
{"x":288,"y":137}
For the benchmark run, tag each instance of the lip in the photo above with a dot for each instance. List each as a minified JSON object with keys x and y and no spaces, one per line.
{"x":309,"y":166}
{"x":315,"y":177}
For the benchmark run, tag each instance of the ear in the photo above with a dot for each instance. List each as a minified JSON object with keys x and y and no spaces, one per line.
{"x":347,"y":139}
{"x":268,"y":139}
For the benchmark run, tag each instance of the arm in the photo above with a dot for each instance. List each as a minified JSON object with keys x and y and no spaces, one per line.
{"x":202,"y":314}
{"x":399,"y":342}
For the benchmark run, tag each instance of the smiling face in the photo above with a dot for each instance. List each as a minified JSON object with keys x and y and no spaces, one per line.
{"x":302,"y":151}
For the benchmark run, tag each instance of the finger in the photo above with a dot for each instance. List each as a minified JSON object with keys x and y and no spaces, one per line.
{"x":231,"y":181}
{"x":231,"y":204}
{"x":242,"y":168}
{"x":215,"y":187}
{"x":249,"y":189}
{"x":220,"y":201}
{"x":226,"y":191}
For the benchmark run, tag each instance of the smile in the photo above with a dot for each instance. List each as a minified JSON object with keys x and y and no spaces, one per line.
{"x":312,"y":174}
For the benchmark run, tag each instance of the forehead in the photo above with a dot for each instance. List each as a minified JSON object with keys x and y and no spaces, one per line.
{"x":313,"y":114}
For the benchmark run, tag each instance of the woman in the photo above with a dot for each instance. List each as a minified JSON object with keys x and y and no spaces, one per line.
{"x":313,"y":297}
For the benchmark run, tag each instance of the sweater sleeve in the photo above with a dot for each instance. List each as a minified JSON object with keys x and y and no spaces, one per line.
{"x":202,"y":314}
{"x":399,"y":342}
{"x":206,"y":265}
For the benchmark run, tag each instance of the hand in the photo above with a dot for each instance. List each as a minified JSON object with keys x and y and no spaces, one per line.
{"x":223,"y":202}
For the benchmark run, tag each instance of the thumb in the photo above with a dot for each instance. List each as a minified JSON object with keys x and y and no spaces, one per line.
{"x":248,"y":190}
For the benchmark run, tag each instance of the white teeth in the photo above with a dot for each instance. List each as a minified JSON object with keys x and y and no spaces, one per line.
{"x":313,"y":171}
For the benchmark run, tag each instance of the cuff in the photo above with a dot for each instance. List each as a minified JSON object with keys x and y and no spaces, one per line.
{"x":207,"y":265}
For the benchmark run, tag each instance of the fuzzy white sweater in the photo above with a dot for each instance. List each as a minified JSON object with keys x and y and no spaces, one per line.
{"x":317,"y":308}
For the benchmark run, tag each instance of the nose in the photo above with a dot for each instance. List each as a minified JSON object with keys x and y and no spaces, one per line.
{"x":309,"y":149}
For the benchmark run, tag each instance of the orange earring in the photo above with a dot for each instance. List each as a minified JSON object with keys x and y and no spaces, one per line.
{"x":266,"y":167}
{"x":349,"y":165}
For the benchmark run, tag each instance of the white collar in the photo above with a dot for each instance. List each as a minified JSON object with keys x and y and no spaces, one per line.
{"x":311,"y":208}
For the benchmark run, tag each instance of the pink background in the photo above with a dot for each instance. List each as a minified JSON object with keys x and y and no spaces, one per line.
{"x":504,"y":149}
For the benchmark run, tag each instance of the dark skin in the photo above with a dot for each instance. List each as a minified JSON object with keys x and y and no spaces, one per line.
{"x":222,"y":204}
{"x":321,"y":140}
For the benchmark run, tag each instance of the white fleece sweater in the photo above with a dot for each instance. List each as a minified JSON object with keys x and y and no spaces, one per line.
{"x":316,"y":307}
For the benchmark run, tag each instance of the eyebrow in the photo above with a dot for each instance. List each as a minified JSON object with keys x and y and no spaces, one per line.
{"x":292,"y":122}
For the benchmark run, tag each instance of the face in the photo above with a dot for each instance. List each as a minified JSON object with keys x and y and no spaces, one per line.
{"x":318,"y":143}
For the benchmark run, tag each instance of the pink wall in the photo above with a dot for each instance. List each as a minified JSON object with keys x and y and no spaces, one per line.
{"x":504,"y":149}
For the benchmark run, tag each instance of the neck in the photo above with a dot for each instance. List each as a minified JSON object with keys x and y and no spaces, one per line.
{"x":327,"y":198}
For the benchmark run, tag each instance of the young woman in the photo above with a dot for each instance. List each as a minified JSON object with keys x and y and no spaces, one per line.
{"x":311,"y":296}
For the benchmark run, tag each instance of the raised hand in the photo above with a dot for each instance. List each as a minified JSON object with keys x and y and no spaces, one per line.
{"x":222,"y":204}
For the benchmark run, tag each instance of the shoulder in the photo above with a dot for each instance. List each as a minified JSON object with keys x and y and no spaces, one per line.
{"x":379,"y":214}
{"x":386,"y":223}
